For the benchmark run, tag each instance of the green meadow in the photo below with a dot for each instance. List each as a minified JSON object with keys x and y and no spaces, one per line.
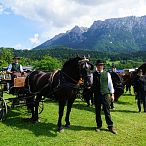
{"x":130,"y":125}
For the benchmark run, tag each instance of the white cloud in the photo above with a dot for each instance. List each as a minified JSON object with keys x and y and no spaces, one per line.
{"x":18,"y":46}
{"x":55,"y":16}
{"x":35,"y":39}
{"x":93,"y":2}
{"x":1,"y":8}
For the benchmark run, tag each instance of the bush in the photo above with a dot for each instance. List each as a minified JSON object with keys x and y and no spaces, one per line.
{"x":48,"y":63}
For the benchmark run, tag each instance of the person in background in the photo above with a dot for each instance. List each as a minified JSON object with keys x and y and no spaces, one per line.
{"x":88,"y":96}
{"x":103,"y":93}
{"x":140,"y":90}
{"x":113,"y":70}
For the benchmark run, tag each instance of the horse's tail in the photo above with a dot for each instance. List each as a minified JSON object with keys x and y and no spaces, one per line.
{"x":30,"y":99}
{"x":28,"y":80}
{"x":27,"y":83}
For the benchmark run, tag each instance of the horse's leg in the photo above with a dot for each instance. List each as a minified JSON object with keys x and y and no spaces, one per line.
{"x":36,"y":105}
{"x":69,"y":105}
{"x":62,"y":102}
{"x":130,"y":90}
{"x":30,"y":106}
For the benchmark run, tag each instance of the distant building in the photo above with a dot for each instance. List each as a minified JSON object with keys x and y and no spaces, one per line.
{"x":25,"y":68}
{"x":129,"y":70}
{"x":120,"y":71}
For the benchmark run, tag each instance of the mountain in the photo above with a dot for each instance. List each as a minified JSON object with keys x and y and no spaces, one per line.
{"x":115,"y":34}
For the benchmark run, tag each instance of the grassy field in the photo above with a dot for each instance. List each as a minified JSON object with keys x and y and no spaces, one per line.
{"x":130,"y":124}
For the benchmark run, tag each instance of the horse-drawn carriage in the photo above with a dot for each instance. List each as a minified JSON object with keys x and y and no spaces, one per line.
{"x":63,"y":84}
{"x":13,"y":84}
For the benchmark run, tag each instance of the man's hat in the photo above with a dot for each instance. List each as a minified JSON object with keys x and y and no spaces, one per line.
{"x":99,"y":62}
{"x":16,"y":57}
{"x":113,"y":65}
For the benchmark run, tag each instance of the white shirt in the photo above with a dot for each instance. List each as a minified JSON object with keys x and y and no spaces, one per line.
{"x":10,"y":67}
{"x":110,"y":83}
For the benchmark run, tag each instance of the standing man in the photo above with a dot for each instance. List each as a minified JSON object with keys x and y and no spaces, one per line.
{"x":117,"y":84}
{"x":103,"y":93}
{"x":143,"y":79}
{"x":140,"y":90}
{"x":113,"y":71}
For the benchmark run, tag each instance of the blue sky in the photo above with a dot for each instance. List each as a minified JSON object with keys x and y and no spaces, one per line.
{"x":25,"y":24}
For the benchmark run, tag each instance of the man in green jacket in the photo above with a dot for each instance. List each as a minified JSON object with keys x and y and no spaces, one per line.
{"x":14,"y":69}
{"x":15,"y":66}
{"x":103,"y":94}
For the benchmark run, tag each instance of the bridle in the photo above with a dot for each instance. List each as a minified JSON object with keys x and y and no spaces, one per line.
{"x":75,"y":83}
{"x":65,"y":80}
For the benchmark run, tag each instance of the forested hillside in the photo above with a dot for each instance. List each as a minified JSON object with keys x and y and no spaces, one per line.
{"x":33,"y":57}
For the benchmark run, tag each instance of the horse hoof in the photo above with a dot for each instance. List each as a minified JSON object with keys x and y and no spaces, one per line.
{"x":60,"y":130}
{"x":67,"y":126}
{"x":28,"y":120}
{"x":36,"y":121}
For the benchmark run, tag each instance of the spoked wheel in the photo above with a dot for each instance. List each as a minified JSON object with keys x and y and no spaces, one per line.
{"x":41,"y":107}
{"x":80,"y":95}
{"x":3,"y":109}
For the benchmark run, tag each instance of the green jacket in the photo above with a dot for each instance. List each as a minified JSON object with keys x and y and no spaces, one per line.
{"x":100,"y":82}
{"x":15,"y":67}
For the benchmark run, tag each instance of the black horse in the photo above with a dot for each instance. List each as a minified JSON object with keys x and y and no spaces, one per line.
{"x":63,"y":84}
{"x":117,"y":84}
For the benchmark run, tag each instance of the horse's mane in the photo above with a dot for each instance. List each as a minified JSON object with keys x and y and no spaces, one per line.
{"x":71,"y":61}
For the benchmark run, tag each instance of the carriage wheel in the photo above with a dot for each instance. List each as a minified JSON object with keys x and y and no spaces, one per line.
{"x":80,"y":94}
{"x":3,"y":109}
{"x":41,"y":107}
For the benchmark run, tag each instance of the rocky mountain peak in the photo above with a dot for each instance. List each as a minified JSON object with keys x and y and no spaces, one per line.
{"x":78,"y":29}
{"x":127,"y":33}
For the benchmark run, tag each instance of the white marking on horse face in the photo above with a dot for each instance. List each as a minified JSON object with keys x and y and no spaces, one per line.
{"x":86,"y":65}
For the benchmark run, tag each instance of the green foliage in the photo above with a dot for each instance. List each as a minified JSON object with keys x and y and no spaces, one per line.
{"x":35,"y":58}
{"x":6,"y":55}
{"x":25,"y":61}
{"x":124,"y":64}
{"x":48,"y":63}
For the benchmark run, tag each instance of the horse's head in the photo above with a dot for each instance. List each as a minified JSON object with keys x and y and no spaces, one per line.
{"x":85,"y":71}
{"x":77,"y":68}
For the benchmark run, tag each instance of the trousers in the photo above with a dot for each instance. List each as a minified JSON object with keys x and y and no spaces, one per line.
{"x":102,"y":100}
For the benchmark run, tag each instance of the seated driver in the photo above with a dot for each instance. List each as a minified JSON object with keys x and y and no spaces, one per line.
{"x":15,"y":66}
{"x":13,"y":69}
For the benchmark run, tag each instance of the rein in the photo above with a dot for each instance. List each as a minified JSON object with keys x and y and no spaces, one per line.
{"x":70,"y":77}
{"x":75,"y":85}
{"x":62,"y":81}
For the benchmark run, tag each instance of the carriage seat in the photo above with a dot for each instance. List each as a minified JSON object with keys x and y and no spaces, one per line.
{"x":19,"y":81}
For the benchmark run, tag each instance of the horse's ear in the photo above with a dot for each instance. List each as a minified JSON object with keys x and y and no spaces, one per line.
{"x":72,"y":55}
{"x":77,"y":55}
{"x":84,"y":57}
{"x":88,"y":56}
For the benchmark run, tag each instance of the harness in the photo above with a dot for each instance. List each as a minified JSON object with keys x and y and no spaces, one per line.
{"x":62,"y":82}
